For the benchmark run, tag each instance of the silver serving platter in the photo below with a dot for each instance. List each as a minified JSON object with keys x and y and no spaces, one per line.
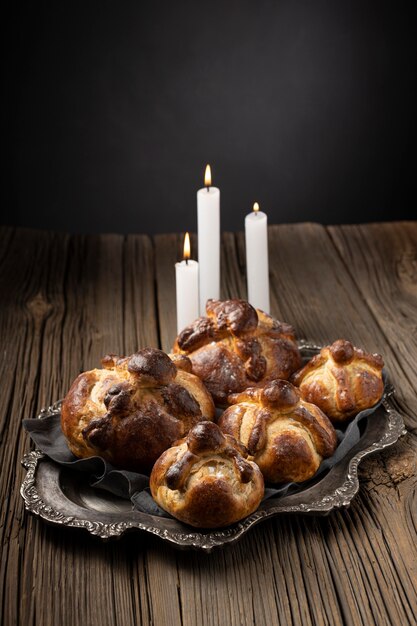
{"x":61,"y":496}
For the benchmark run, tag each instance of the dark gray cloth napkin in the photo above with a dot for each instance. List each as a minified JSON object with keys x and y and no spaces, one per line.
{"x":46,"y":433}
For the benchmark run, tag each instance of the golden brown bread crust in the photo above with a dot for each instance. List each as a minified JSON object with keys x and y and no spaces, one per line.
{"x":286,"y":436}
{"x":237,"y":346}
{"x":132,"y":410}
{"x":342,"y":380}
{"x":205,"y":479}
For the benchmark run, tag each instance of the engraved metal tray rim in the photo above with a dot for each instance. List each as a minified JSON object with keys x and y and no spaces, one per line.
{"x":115,"y":524}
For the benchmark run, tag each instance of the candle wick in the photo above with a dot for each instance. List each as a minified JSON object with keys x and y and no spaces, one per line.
{"x":208,"y":187}
{"x":186,"y":261}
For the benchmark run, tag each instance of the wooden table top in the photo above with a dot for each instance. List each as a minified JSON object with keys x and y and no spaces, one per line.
{"x":67,"y":300}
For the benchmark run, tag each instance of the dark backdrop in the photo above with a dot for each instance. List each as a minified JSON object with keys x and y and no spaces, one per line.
{"x":114,"y":108}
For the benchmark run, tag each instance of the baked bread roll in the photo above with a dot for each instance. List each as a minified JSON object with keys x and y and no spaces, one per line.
{"x":341,"y":380}
{"x":132,"y":410}
{"x":285,"y":436}
{"x":237,"y":346}
{"x":205,"y":479}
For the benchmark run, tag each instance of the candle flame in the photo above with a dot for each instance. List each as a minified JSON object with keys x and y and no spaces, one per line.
{"x":187,"y":247}
{"x":207,"y":176}
{"x":256,"y":207}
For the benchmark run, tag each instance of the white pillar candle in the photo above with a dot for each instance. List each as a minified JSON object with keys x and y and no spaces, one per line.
{"x":186,"y":274}
{"x":208,"y":214}
{"x":256,"y":235}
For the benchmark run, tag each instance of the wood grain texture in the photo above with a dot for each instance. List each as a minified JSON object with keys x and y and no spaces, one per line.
{"x":68,"y":300}
{"x":382,"y":259}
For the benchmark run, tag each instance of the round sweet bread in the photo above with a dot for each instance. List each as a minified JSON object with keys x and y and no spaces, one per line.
{"x":236,"y":346}
{"x":285,"y":436}
{"x":342,"y":380}
{"x":205,"y":480}
{"x":132,"y":409}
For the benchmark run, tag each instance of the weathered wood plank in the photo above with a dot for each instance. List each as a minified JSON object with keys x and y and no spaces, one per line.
{"x":22,"y":323}
{"x":162,"y":585}
{"x":218,"y":588}
{"x":382,"y":259}
{"x":140,"y":317}
{"x":167,"y":253}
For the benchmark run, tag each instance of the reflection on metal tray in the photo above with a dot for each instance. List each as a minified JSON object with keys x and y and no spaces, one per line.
{"x":62,"y":496}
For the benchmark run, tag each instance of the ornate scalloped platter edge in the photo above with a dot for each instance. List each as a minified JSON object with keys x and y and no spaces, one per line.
{"x":338,"y":498}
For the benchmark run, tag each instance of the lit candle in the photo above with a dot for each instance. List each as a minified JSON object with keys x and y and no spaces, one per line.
{"x":186,"y":274}
{"x":256,"y":235}
{"x":208,"y":214}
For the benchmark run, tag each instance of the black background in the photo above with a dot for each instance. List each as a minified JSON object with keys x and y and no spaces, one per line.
{"x":114,"y":108}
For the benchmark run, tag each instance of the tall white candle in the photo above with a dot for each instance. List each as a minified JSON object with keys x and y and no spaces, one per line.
{"x":208,"y":214}
{"x":256,"y":235}
{"x":186,"y":274}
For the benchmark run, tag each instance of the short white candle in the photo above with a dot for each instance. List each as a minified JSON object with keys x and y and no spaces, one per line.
{"x":186,"y":274}
{"x":208,"y":214}
{"x":256,"y":235}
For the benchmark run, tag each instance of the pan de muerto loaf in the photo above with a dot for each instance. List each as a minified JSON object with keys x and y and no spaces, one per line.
{"x":132,"y":410}
{"x":237,"y":346}
{"x":342,"y":380}
{"x":286,"y":436}
{"x":205,"y":479}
